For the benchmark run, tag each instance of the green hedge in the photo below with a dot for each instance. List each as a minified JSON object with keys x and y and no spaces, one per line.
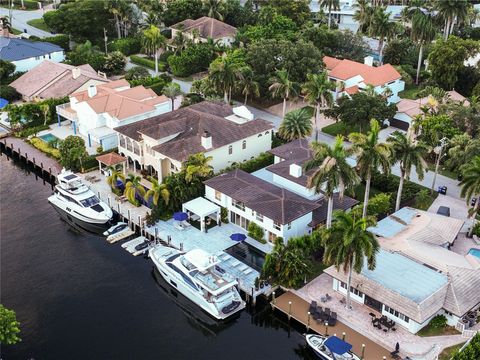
{"x":151,"y":80}
{"x":252,"y":165}
{"x":61,"y":40}
{"x":127,"y":46}
{"x":29,"y":4}
{"x":471,"y":352}
{"x":30,"y":114}
{"x":45,"y":148}
{"x":147,"y":63}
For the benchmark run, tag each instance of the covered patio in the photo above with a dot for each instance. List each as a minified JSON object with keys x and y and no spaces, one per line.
{"x":111,"y":160}
{"x":202,"y":210}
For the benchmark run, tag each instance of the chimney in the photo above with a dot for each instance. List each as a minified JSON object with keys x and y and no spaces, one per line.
{"x":92,"y":91}
{"x":368,"y":60}
{"x":207,"y":140}
{"x":295,"y":170}
{"x":76,"y":72}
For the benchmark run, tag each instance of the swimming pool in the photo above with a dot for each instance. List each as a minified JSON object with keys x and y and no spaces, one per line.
{"x":248,"y":255}
{"x":48,"y":138}
{"x":474,"y":252}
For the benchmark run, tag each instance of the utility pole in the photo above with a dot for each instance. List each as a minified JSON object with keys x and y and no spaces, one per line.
{"x":438,"y":150}
{"x":106,"y":39}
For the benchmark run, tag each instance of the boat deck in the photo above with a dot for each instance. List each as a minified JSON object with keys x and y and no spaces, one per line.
{"x":130,"y":246}
{"x":295,"y":307}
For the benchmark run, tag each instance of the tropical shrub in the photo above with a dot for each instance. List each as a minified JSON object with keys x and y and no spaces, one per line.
{"x":261,"y":161}
{"x":73,"y":153}
{"x":9,"y":327}
{"x":379,"y":204}
{"x":256,"y":232}
{"x":136,"y":73}
{"x":476,"y":229}
{"x":471,"y":352}
{"x":224,"y":215}
{"x":9,"y":93}
{"x":115,"y":63}
{"x":192,"y":60}
{"x":45,"y":147}
{"x":127,"y":46}
{"x":61,"y":40}
{"x":438,"y":321}
{"x":31,"y":114}
{"x":6,"y":70}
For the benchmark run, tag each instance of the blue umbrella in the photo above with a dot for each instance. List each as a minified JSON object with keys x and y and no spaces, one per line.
{"x":3,"y":102}
{"x":238,"y":237}
{"x":180,"y":216}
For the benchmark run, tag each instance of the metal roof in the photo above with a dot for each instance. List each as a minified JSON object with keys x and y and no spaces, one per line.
{"x":13,"y":49}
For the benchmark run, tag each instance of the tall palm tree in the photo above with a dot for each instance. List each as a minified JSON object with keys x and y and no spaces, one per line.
{"x":330,"y":4}
{"x":332,"y":171}
{"x":382,"y":28}
{"x":198,"y":167}
{"x":171,"y":91}
{"x":45,"y":109}
{"x":224,"y":73}
{"x":297,"y":124}
{"x":363,"y":14}
{"x":247,"y":84}
{"x":133,"y":187}
{"x":371,"y":155}
{"x":214,"y":8}
{"x":423,"y":32}
{"x":449,"y":11}
{"x":318,"y":92}
{"x":157,"y":191}
{"x":407,"y":152}
{"x":470,"y":187}
{"x":115,"y":175}
{"x":283,"y":87}
{"x":152,"y":42}
{"x":114,"y":8}
{"x":349,"y":245}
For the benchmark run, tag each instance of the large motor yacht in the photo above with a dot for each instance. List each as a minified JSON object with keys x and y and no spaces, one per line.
{"x":197,"y":275}
{"x":75,"y":200}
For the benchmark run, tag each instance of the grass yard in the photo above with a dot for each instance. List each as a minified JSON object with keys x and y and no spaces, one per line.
{"x":442,"y":171}
{"x":448,"y":352}
{"x":316,"y":269}
{"x":340,"y":128}
{"x":360,"y":192}
{"x":410,"y":92}
{"x":437,"y":331}
{"x":15,"y":31}
{"x":39,"y":24}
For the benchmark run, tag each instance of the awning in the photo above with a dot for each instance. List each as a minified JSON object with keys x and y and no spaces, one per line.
{"x":201,"y":207}
{"x":337,"y":345}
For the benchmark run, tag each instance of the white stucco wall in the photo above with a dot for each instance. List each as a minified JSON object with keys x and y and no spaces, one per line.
{"x":30,"y":63}
{"x":294,"y":187}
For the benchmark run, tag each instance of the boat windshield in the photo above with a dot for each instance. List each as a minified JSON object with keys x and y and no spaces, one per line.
{"x":91,"y":201}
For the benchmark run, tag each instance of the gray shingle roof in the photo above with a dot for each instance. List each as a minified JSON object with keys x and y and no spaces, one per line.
{"x":320,"y":214}
{"x":13,"y":49}
{"x":261,"y":196}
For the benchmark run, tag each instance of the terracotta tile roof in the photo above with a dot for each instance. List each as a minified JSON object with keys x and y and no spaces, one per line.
{"x":261,"y":196}
{"x":111,"y":159}
{"x":346,"y":69}
{"x":54,"y":80}
{"x":187,"y":125}
{"x":413,"y":107}
{"x":116,"y":84}
{"x":207,"y":27}
{"x":352,"y":90}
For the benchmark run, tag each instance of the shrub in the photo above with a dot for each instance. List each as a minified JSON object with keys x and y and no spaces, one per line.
{"x":147,"y":62}
{"x":476,"y":229}
{"x":439,"y":321}
{"x":165,"y":55}
{"x":115,"y":63}
{"x":30,"y":131}
{"x":256,"y":232}
{"x":136,"y":73}
{"x":45,"y":148}
{"x":261,"y":161}
{"x":31,"y":115}
{"x":127,"y":46}
{"x":192,"y":60}
{"x":151,"y":80}
{"x":472,"y":351}
{"x":61,"y":40}
{"x":9,"y":93}
{"x":224,"y":215}
{"x":73,"y":154}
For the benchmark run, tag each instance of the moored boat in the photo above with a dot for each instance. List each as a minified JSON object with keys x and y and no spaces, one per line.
{"x":330,"y":347}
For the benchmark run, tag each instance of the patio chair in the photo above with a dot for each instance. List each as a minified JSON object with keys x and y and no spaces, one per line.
{"x":328,"y":297}
{"x":177,"y":226}
{"x":313,"y":307}
{"x":332,"y":320}
{"x":185,"y":223}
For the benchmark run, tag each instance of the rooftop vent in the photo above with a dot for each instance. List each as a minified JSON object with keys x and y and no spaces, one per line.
{"x":76,"y":72}
{"x":295,"y":170}
{"x":92,"y":91}
{"x":368,"y":60}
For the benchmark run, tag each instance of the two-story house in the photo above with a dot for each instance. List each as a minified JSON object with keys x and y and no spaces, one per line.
{"x":204,"y":28}
{"x":351,"y":77}
{"x":95,"y":112}
{"x":162,"y":143}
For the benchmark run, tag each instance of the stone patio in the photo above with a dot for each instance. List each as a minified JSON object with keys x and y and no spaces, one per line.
{"x":359,"y":319}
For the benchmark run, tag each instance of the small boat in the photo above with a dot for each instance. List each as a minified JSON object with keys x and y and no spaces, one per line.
{"x":118,"y":232}
{"x":116,"y":228}
{"x":330,"y":348}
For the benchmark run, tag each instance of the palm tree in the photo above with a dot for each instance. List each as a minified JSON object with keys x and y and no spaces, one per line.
{"x":171,"y":91}
{"x":214,"y":9}
{"x":423,"y":32}
{"x":224,"y":73}
{"x":470,"y":187}
{"x":115,"y":175}
{"x":152,"y":19}
{"x":332,"y":171}
{"x":330,"y":4}
{"x":283,"y":87}
{"x":449,"y":11}
{"x":198,"y":167}
{"x":152,"y":42}
{"x":382,"y":28}
{"x":45,"y":109}
{"x":134,"y":187}
{"x":371,"y":155}
{"x":318,"y":92}
{"x":408,"y":153}
{"x":158,"y":190}
{"x":296,"y":124}
{"x":363,"y":14}
{"x":247,"y":84}
{"x":114,"y":7}
{"x":349,"y":245}
{"x":179,"y":42}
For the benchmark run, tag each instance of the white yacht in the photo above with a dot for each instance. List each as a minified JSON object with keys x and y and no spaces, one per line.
{"x":197,"y":275}
{"x":330,"y":348}
{"x":75,"y":200}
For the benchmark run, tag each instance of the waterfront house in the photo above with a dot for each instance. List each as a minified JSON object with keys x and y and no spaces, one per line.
{"x":204,"y":28}
{"x":417,"y":276}
{"x":96,"y":111}
{"x":350,"y":77}
{"x":26,"y":54}
{"x":160,"y":144}
{"x":56,"y":80}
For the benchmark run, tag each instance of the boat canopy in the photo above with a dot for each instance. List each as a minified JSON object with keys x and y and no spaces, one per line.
{"x":337,"y":346}
{"x":201,"y":259}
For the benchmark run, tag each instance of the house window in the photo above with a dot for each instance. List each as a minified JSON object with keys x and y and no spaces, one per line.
{"x":122,"y":141}
{"x":230,"y":150}
{"x":218,"y":195}
{"x":352,"y":289}
{"x":277,"y":226}
{"x":397,"y":314}
{"x":238,"y":204}
{"x":289,"y":226}
{"x":259,"y":217}
{"x":172,"y":167}
{"x":37,"y":57}
{"x":244,"y":144}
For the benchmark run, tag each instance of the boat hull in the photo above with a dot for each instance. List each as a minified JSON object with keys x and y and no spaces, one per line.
{"x":72,"y":212}
{"x":96,"y":228}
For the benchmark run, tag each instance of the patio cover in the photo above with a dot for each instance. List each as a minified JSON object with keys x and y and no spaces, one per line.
{"x":201,"y":207}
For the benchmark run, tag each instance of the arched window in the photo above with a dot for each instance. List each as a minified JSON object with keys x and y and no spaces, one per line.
{"x":230,"y":150}
{"x":122,"y":141}
{"x":266,"y":132}
{"x":244,"y":144}
{"x":260,"y":135}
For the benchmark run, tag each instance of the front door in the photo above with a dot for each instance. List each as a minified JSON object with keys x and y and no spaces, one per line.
{"x":374,"y":304}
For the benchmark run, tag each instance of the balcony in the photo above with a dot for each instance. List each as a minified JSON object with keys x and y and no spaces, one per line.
{"x":67,"y":112}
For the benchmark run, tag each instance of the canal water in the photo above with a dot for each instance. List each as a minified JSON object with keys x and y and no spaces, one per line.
{"x":78,"y":297}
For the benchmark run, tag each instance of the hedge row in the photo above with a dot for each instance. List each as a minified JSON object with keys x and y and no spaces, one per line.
{"x":252,"y":165}
{"x":45,"y":148}
{"x":127,"y":46}
{"x":147,"y":63}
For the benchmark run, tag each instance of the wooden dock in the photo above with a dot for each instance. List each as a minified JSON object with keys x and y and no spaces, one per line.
{"x":297,"y":308}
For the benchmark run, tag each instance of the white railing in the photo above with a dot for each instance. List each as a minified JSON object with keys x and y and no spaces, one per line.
{"x":61,"y":110}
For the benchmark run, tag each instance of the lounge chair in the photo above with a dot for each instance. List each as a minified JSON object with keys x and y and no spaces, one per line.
{"x":178,"y":226}
{"x":185,"y":223}
{"x":313,"y":307}
{"x":332,"y":320}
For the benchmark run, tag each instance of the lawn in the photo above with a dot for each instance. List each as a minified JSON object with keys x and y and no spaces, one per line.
{"x":443,"y":171}
{"x":39,"y":24}
{"x":316,"y":269}
{"x":15,"y":31}
{"x":448,"y":352}
{"x":437,"y":331}
{"x":341,"y":128}
{"x":410,"y":92}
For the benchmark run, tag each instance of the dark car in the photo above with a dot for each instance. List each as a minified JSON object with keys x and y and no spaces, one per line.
{"x":444,"y":210}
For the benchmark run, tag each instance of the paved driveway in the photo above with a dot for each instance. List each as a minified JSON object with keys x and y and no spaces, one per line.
{"x":20,"y":18}
{"x":458,"y":209}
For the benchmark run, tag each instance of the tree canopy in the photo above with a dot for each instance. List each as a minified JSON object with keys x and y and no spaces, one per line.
{"x":72,"y":152}
{"x":9,"y":327}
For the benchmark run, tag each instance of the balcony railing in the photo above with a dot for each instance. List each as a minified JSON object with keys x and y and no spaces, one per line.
{"x":66,"y":111}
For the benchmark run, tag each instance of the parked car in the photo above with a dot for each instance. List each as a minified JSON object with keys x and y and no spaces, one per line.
{"x":444,"y":210}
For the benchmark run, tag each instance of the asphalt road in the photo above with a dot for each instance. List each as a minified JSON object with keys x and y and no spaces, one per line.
{"x":20,"y":18}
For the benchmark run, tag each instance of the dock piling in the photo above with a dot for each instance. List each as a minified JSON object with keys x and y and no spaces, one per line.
{"x":326,"y":328}
{"x":308,"y":320}
{"x":363,"y":351}
{"x":343,"y":336}
{"x":289,"y":310}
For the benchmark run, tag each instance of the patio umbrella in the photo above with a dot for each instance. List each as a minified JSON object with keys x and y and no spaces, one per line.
{"x":397,"y":347}
{"x":238,"y":237}
{"x":3,"y":103}
{"x":180,"y":216}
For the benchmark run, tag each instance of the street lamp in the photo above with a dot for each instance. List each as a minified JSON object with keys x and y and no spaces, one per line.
{"x":438,"y":150}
